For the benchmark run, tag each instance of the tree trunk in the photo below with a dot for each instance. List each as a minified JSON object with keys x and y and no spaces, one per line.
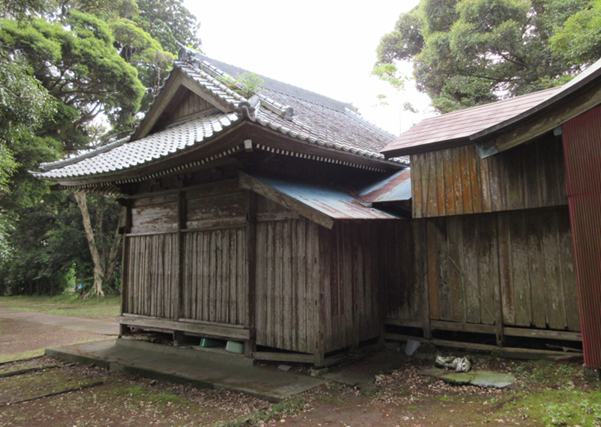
{"x":80,"y":196}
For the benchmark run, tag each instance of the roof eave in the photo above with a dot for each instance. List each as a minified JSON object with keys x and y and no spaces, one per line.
{"x":426,"y":148}
{"x":543,"y":106}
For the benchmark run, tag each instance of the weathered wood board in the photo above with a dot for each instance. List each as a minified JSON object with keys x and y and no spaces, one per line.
{"x":456,"y":181}
{"x":512,"y":268}
{"x":152,"y":276}
{"x":215,"y":276}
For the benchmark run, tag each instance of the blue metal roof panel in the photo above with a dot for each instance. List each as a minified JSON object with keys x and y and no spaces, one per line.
{"x":392,"y":189}
{"x":335,"y":203}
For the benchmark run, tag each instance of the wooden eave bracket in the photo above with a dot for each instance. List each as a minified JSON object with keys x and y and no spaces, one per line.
{"x":247,"y":182}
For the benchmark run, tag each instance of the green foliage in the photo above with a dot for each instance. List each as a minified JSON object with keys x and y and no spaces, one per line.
{"x":68,"y":56}
{"x":471,"y":52}
{"x":24,"y":104}
{"x":247,"y":84}
{"x":24,"y":9}
{"x":580,"y":37}
{"x":63,"y":67}
{"x":168,"y":22}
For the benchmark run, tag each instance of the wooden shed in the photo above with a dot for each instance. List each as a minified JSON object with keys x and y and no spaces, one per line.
{"x":493,"y":242}
{"x":248,"y":219}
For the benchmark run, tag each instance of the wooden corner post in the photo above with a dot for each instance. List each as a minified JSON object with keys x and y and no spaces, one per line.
{"x":251,"y":262}
{"x":123,"y":330}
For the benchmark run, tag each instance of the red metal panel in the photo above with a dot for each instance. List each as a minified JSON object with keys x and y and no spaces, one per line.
{"x":582,"y":148}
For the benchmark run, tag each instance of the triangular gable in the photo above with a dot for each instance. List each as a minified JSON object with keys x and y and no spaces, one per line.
{"x":322,"y":205}
{"x":186,"y":93}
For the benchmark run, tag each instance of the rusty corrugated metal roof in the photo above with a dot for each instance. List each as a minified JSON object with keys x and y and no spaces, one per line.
{"x":395,"y":188}
{"x":460,"y":127}
{"x":332,"y":202}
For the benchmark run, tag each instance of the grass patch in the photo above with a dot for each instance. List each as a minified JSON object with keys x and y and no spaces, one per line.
{"x":558,"y":407}
{"x":103,"y":308}
{"x":24,"y":355}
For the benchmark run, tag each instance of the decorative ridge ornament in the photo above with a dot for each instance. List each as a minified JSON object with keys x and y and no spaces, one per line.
{"x":244,"y":109}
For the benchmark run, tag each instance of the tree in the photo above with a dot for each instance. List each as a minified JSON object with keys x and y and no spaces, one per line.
{"x":104,"y":253}
{"x":579,"y":39}
{"x":78,"y":61}
{"x":471,"y":52}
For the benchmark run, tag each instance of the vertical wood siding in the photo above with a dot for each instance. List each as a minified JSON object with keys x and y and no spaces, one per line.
{"x":152,"y":275}
{"x":190,"y":104}
{"x":456,"y":181}
{"x":215,"y":276}
{"x":352,"y":273}
{"x":287,"y":279}
{"x":467,"y":265}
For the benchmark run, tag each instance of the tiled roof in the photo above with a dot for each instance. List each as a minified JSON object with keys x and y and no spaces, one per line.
{"x":127,"y":155}
{"x":477,"y":122}
{"x":301,"y":114}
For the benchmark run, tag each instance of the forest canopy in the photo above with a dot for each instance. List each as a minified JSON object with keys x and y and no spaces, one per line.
{"x":471,"y":52}
{"x":73,"y":76}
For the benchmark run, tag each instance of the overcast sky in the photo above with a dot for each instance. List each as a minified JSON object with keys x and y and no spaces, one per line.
{"x":326,"y":46}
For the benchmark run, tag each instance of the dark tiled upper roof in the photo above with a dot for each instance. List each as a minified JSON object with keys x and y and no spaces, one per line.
{"x":477,"y":122}
{"x":315,"y":119}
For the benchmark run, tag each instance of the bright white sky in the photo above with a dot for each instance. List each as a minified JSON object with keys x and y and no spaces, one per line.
{"x":326,"y":46}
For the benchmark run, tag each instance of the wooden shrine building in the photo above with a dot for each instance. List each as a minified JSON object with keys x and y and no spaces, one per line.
{"x":250,"y":220}
{"x":506,"y":234}
{"x":287,"y":222}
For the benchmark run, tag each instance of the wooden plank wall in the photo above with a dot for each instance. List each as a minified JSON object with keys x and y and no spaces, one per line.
{"x":287,"y":278}
{"x":474,"y":268}
{"x":456,"y":181}
{"x":352,"y":279}
{"x":154,"y":214}
{"x":404,"y":266}
{"x":215,"y":276}
{"x":188,"y":106}
{"x":214,"y":269}
{"x":152,"y":279}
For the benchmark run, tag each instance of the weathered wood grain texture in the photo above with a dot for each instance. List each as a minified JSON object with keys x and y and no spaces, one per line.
{"x":216,"y":207}
{"x":287,"y":271}
{"x":155,"y":214}
{"x":189,"y":105}
{"x":215,"y":276}
{"x":403,"y":264}
{"x":456,"y":181}
{"x":152,"y":263}
{"x":509,"y":268}
{"x":353,"y":302}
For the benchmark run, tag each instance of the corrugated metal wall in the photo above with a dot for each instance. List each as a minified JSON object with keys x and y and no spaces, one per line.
{"x":582,"y":147}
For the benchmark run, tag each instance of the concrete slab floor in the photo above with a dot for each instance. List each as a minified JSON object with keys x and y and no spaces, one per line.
{"x":201,"y":368}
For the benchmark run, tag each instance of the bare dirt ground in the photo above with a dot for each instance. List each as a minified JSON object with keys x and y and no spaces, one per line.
{"x":545,"y":394}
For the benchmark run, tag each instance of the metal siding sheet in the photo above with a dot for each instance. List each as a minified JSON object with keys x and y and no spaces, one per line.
{"x":582,"y":148}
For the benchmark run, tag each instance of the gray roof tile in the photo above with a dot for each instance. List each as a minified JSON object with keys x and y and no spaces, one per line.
{"x":316,"y":119}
